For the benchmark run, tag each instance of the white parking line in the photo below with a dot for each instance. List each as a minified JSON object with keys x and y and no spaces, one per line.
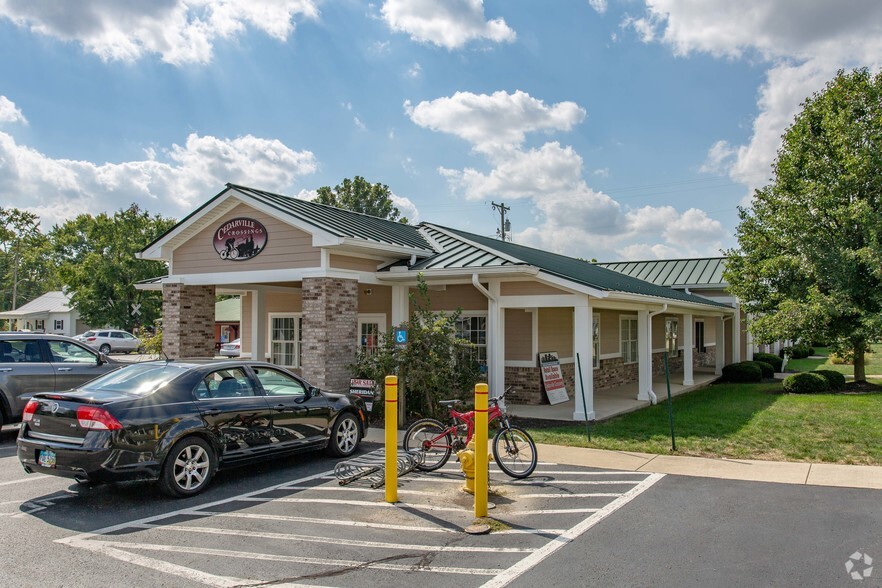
{"x":334,"y":522}
{"x":332,"y":540}
{"x":31,"y":479}
{"x":342,"y":563}
{"x":586,"y":495}
{"x":361,"y":503}
{"x":576,"y":482}
{"x":540,"y":554}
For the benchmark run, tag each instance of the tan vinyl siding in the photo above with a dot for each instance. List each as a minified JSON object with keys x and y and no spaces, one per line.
{"x":556,"y":331}
{"x":378,"y":301}
{"x":358,"y":264}
{"x":609,"y":331}
{"x":463,"y":296}
{"x":529,"y":289}
{"x":286,"y":248}
{"x":518,"y":335}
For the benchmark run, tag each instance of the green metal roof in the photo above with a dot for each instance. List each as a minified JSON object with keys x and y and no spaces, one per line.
{"x":336,"y":221}
{"x":696,"y":272}
{"x":575,"y":270}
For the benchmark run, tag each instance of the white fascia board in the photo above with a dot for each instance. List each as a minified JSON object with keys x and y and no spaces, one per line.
{"x":458,"y":273}
{"x":163,"y":248}
{"x":268,"y":277}
{"x":572,"y":286}
{"x":543,"y":301}
{"x":676,"y":306}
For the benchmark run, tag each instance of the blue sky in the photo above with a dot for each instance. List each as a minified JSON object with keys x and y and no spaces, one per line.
{"x":613,"y":130}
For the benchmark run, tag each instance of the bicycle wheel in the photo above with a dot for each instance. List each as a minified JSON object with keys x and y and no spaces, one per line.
{"x":514,"y":452}
{"x":430,"y":437}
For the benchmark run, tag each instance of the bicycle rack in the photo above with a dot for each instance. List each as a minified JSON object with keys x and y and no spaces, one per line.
{"x":373,"y":468}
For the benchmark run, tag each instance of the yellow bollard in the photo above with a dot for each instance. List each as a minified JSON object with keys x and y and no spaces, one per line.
{"x":481,"y":463}
{"x":391,"y":438}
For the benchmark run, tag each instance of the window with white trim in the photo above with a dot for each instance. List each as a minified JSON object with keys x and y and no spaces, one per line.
{"x":628,"y":339}
{"x":286,"y":338}
{"x":595,"y":354}
{"x":59,"y":324}
{"x":369,"y":330}
{"x":474,"y":330}
{"x":672,"y":335}
{"x":699,"y":337}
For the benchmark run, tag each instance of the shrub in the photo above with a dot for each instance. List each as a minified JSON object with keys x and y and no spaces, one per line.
{"x":798,"y":351}
{"x":766,"y":368}
{"x":745,"y":371}
{"x":769,"y":358}
{"x":806,"y":383}
{"x":839,"y":360}
{"x":834,"y":379}
{"x":811,"y":350}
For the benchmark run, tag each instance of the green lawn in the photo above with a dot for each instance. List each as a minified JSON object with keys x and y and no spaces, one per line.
{"x":753,"y":421}
{"x":873,"y":365}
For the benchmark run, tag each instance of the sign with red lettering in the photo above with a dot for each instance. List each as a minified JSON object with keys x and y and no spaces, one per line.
{"x":240,"y":239}
{"x":552,"y":377}
{"x":364,"y":388}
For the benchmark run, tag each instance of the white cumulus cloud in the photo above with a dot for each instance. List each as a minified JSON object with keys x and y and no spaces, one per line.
{"x":170,"y":183}
{"x":9,"y":112}
{"x":446,"y":23}
{"x":179,"y":31}
{"x":804,"y":44}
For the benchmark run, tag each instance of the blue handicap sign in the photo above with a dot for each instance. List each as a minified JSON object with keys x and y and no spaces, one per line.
{"x":401,"y":336}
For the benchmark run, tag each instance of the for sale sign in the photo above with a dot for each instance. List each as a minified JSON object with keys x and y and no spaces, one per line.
{"x":366,"y":389}
{"x":552,"y":377}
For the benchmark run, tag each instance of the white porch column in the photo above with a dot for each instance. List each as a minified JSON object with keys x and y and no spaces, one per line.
{"x":688,"y":331}
{"x":776,"y":348}
{"x":583,"y":331}
{"x":400,"y":305}
{"x":736,"y":334}
{"x":495,"y":341}
{"x":749,"y":346}
{"x":258,"y":325}
{"x":720,"y":351}
{"x":644,"y":355}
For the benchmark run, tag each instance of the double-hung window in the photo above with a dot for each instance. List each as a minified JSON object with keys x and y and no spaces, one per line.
{"x":699,"y":336}
{"x":286,"y":336}
{"x":672,"y":335}
{"x":628,"y":338}
{"x":474,"y":330}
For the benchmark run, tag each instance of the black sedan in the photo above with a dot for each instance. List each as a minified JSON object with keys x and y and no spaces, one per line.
{"x":179,"y":421}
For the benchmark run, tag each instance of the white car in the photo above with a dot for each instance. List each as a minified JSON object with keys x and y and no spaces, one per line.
{"x":109,"y":341}
{"x":231,"y":349}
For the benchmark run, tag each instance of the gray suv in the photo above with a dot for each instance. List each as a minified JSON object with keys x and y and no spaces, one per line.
{"x":32,"y":362}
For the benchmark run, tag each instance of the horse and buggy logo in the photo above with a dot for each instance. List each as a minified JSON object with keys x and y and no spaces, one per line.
{"x":239,"y":239}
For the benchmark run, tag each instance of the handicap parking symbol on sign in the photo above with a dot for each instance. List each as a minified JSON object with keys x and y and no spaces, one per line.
{"x":401,"y":336}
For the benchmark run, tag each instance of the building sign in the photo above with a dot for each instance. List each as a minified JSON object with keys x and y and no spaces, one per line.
{"x":365,"y":389}
{"x":239,"y":239}
{"x":552,"y":377}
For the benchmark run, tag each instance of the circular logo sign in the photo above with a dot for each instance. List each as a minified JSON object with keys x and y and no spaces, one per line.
{"x":239,"y":239}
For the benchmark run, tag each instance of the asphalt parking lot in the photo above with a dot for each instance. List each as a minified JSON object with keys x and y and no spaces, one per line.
{"x":312,"y":530}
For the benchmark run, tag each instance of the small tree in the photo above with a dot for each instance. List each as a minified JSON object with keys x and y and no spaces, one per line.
{"x":359,"y":195}
{"x":434,"y":365}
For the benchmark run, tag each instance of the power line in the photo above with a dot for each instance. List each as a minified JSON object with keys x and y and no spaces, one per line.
{"x":504,"y":225}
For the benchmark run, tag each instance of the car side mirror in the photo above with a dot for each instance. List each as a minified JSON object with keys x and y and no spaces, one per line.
{"x":313,"y":391}
{"x":102,"y":359}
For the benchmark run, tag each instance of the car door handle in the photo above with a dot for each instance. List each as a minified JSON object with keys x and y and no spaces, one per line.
{"x":286,"y":408}
{"x":212,"y":412}
{"x":64,"y":369}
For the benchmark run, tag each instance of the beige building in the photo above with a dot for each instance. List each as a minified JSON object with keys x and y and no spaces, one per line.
{"x":318,"y":282}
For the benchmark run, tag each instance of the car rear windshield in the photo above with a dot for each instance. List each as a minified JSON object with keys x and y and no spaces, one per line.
{"x":140,"y":379}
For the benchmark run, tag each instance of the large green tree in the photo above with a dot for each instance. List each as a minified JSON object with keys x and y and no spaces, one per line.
{"x":359,"y":195}
{"x":25,"y":270}
{"x":809,"y":261}
{"x":96,"y":262}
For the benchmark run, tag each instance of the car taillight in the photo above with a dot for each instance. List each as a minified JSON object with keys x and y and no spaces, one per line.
{"x":90,"y":338}
{"x":29,"y":410}
{"x":94,"y":418}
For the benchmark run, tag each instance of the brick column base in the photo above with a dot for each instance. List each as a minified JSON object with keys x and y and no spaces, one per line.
{"x":187,"y":321}
{"x":330,"y":331}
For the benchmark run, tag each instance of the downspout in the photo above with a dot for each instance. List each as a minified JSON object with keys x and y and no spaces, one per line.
{"x":653,"y":399}
{"x":491,"y":340}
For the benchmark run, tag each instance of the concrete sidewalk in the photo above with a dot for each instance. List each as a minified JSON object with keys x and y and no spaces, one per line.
{"x":782,"y":472}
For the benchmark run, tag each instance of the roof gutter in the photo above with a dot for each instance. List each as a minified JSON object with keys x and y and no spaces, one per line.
{"x":480,"y":287}
{"x":653,"y":399}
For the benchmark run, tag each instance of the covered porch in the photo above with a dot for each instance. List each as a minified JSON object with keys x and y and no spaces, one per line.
{"x":614,"y":401}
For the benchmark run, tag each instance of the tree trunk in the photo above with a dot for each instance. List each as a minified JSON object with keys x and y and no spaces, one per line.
{"x":860,"y":373}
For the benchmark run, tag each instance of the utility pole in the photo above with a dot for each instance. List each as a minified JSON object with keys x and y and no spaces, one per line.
{"x":504,"y":225}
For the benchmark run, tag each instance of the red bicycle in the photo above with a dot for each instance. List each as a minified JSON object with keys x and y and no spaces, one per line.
{"x":513,"y":449}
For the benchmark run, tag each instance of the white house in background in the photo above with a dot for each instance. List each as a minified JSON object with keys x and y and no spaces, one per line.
{"x":50,"y":313}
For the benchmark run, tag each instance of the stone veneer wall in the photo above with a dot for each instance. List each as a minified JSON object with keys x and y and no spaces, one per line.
{"x":527,"y":383}
{"x":614,"y":372}
{"x":188,"y":321}
{"x":706,"y":359}
{"x":675,"y":364}
{"x":330,"y":331}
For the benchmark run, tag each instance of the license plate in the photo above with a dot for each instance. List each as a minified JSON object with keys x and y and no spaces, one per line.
{"x":46,"y":458}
